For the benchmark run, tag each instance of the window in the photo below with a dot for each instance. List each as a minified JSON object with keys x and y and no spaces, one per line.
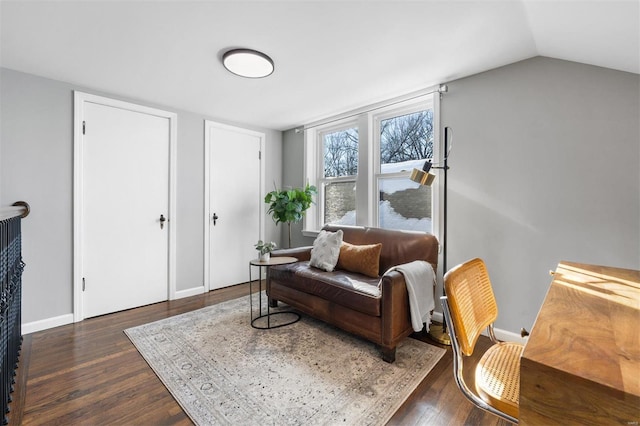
{"x":405,"y":142}
{"x":338,"y":182}
{"x":361,"y":166}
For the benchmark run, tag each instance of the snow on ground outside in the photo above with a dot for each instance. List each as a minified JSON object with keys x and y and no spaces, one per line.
{"x":389,"y":219}
{"x":390,"y":186}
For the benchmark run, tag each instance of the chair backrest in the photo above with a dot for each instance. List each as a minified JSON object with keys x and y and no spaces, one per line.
{"x":471,"y":302}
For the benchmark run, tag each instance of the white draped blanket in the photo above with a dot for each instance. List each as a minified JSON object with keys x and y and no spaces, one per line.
{"x":420,"y":279}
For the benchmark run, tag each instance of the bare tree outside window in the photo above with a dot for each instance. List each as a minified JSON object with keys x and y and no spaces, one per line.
{"x":405,"y":142}
{"x":341,"y":153}
{"x":340,"y":161}
{"x":407,"y":137}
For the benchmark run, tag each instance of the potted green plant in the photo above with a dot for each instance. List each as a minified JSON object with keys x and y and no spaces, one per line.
{"x":290,"y":205}
{"x":265,"y":249}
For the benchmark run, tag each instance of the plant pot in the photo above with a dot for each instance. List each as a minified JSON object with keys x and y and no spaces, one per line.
{"x":265,"y":257}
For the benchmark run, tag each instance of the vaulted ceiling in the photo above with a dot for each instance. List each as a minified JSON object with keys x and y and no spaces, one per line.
{"x":330,"y":56}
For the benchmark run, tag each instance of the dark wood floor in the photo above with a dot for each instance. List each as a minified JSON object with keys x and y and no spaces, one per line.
{"x":89,"y":373}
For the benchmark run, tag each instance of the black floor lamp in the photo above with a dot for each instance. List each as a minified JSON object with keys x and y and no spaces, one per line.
{"x":423,"y":177}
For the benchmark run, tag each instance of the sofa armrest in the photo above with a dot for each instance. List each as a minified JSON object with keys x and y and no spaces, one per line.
{"x":395,"y":307}
{"x":301,"y":253}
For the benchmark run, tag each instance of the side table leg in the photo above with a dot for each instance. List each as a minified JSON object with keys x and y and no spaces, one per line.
{"x":265,"y":289}
{"x":250,"y":296}
{"x":260,"y":290}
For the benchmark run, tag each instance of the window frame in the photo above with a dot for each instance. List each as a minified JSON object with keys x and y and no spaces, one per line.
{"x":377,"y":119}
{"x":321,"y":179}
{"x":367,"y":120}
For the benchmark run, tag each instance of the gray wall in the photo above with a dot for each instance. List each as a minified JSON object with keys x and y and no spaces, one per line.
{"x":293,"y":176}
{"x":544,"y":168}
{"x":36,"y":159}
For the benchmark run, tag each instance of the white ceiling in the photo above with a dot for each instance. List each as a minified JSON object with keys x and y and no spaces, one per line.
{"x":330,"y":56}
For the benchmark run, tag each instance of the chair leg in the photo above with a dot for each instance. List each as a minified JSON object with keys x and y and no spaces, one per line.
{"x":388,"y":354}
{"x":273,"y":303}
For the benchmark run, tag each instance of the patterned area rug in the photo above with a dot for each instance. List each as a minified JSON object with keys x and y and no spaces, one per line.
{"x":223,"y":371}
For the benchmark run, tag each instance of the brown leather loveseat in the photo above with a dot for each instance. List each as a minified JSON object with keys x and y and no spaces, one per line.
{"x":374,"y":308}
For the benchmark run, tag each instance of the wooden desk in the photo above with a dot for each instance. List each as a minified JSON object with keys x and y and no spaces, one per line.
{"x":581,"y":364}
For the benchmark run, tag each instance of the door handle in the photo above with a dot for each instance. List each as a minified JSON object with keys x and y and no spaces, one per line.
{"x":162,"y":220}
{"x":215,"y":218}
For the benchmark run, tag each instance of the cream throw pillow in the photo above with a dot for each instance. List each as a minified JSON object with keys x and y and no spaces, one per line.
{"x":326,"y":250}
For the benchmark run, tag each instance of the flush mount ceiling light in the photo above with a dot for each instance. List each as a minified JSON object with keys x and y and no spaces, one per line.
{"x":247,"y":63}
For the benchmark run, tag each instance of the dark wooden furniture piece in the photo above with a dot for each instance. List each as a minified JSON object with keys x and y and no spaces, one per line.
{"x":374,"y":308}
{"x":581,"y":364}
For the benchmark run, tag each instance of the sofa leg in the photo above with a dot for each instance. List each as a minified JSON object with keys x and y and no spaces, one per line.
{"x":273,"y":303}
{"x":388,"y":354}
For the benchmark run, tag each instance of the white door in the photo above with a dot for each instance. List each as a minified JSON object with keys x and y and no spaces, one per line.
{"x":125,"y":208}
{"x":234,"y":202}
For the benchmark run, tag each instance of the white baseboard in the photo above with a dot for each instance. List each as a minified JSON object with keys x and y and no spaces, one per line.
{"x":45,"y":324}
{"x":503,"y":335}
{"x":508,"y":336}
{"x":189,"y":292}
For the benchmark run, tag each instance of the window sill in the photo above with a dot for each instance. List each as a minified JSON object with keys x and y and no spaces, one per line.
{"x":309,"y":233}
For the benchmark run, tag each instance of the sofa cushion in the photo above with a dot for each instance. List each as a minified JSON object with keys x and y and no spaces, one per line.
{"x":354,"y":291}
{"x":326,"y":249}
{"x":363,"y":259}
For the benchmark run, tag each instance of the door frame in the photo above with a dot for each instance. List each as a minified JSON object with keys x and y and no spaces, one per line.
{"x":79,"y":99}
{"x":208,"y":125}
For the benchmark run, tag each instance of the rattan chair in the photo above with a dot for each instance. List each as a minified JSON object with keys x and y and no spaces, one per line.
{"x":469,"y":307}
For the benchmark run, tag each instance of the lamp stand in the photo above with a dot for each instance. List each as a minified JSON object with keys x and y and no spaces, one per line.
{"x":439,"y":332}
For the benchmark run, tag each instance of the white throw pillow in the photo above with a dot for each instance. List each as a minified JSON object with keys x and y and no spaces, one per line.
{"x":326,"y":250}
